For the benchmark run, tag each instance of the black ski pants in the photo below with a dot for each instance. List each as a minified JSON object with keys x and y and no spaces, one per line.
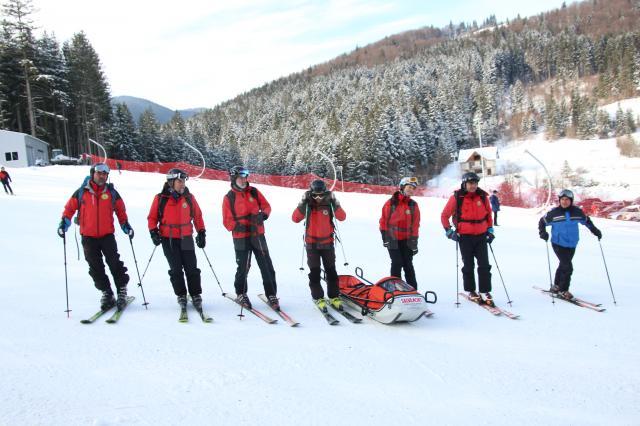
{"x":94,"y":249}
{"x":495,"y":218}
{"x":328,"y":258}
{"x":257,"y":245}
{"x":475,"y":247}
{"x":181,"y":255}
{"x":565,"y":268}
{"x":6,"y":185}
{"x":402,"y":258}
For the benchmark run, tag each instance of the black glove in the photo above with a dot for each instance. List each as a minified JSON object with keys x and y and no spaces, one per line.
{"x":452,"y":234}
{"x":412,"y":244}
{"x":385,"y":242}
{"x":263,"y":216}
{"x":155,"y":237}
{"x":201,"y":238}
{"x":544,"y":235}
{"x":490,"y":235}
{"x":127,"y":229}
{"x":595,"y":231}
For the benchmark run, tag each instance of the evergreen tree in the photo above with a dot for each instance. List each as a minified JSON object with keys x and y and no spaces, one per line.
{"x":149,"y":141}
{"x":122,"y":138}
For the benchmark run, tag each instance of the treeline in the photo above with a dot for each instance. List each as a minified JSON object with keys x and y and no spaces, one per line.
{"x":378,"y":119}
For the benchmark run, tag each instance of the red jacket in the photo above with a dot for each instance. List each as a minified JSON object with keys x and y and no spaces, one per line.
{"x":475,"y":213}
{"x":400,"y":217}
{"x":246,"y":222}
{"x":176,"y":221}
{"x":319,"y":225}
{"x":4,"y":177}
{"x":96,"y":210}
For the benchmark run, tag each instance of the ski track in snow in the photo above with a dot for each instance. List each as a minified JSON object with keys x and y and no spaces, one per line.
{"x":559,"y":364}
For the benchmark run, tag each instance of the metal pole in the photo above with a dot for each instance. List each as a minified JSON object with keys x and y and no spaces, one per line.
{"x":553,"y":301}
{"x":548,"y":180}
{"x":607,"y":270}
{"x":500,"y":273}
{"x":66,"y":282}
{"x":138,"y":272}
{"x":457,"y":279}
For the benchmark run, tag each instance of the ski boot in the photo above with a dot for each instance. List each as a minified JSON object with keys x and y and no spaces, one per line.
{"x":475,"y":297}
{"x":273,"y":302}
{"x":336,"y":303}
{"x":196,"y":301}
{"x":321,"y":304}
{"x":488,"y":300}
{"x":107,"y":301}
{"x":182,"y":301}
{"x":121,"y":303}
{"x":565,"y":294}
{"x":243,"y":300}
{"x":554,"y":289}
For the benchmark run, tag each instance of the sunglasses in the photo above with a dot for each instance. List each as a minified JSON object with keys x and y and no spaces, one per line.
{"x":102,"y":168}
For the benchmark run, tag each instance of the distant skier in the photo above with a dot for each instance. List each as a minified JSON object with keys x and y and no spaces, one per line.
{"x":399,"y":225}
{"x":318,"y":208}
{"x":495,"y":206}
{"x":564,"y":220}
{"x":119,"y":167}
{"x":5,"y":178}
{"x":471,"y":212}
{"x":171,"y":220}
{"x":244,"y":210}
{"x":96,"y":201}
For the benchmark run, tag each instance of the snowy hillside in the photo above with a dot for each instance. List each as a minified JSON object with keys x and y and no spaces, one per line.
{"x":559,"y":364}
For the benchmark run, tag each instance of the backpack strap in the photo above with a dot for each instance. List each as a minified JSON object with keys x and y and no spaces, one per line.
{"x":394,"y":205}
{"x":459,"y":199}
{"x":162,"y":204}
{"x":231,"y":195}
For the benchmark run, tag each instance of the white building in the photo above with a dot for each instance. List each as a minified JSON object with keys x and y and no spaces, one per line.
{"x":21,"y":150}
{"x":481,"y":161}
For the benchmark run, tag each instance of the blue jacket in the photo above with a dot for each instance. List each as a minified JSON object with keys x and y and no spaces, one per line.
{"x":495,"y":203}
{"x":564,"y":225}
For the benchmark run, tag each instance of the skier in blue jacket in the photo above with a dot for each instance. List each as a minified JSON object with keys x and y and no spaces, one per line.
{"x":495,"y":206}
{"x":564,"y":221}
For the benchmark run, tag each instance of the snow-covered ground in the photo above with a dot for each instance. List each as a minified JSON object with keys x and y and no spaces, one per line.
{"x":632,"y":104}
{"x":559,"y":364}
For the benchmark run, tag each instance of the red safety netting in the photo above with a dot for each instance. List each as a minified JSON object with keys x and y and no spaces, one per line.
{"x":296,"y":181}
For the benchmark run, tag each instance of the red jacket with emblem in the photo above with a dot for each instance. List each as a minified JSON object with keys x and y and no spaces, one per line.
{"x":319,"y":218}
{"x":400,"y":217}
{"x":96,"y":208}
{"x":179,"y":212}
{"x":475,"y":212}
{"x":247,"y":203}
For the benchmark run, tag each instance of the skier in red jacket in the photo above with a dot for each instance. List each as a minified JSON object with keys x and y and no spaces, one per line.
{"x":5,"y":179}
{"x":318,"y":208}
{"x":171,"y":219}
{"x":399,"y":225}
{"x":471,"y":211}
{"x":96,"y":201}
{"x":244,"y":210}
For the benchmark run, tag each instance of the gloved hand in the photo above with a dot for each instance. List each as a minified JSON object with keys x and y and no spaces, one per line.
{"x":334,"y":201}
{"x":412,"y":244}
{"x":155,"y":237}
{"x":307,"y":196}
{"x":452,"y":234}
{"x":127,"y":229}
{"x":263,"y":216}
{"x":595,"y":231}
{"x":385,"y":241}
{"x":63,"y":226}
{"x":490,"y":235}
{"x":201,"y":239}
{"x":544,"y":235}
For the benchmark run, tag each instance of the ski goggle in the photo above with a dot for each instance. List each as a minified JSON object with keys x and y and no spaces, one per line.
{"x":317,"y":196}
{"x":177,"y":175}
{"x":101,"y":168}
{"x":243,"y":173}
{"x":413,"y":181}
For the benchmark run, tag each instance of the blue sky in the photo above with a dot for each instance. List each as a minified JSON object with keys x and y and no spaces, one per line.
{"x":196,"y":53}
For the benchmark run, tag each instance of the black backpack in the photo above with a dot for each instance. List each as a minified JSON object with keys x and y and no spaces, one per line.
{"x":459,"y":194}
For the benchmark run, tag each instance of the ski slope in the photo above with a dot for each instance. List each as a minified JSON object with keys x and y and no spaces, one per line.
{"x":559,"y":364}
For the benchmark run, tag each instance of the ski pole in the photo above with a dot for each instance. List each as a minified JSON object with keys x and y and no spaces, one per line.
{"x":75,"y":235}
{"x":302,"y":255}
{"x":457,"y":279}
{"x":138,"y":272}
{"x":335,"y":224}
{"x":500,"y":273}
{"x":607,"y":270}
{"x":214,"y":272}
{"x":148,"y":263}
{"x":66,"y":285}
{"x":553,"y":301}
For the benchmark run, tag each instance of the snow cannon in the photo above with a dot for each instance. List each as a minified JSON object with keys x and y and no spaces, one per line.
{"x":388,"y":301}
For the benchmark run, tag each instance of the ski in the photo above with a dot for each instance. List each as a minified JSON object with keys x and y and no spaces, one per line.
{"x":595,"y":305}
{"x":574,"y":301}
{"x":347,"y":315}
{"x":280,"y":312}
{"x":331,"y":320}
{"x":95,"y":316}
{"x":507,"y":313}
{"x":254,"y":311}
{"x":494,"y":311}
{"x":118,"y":313}
{"x":184,"y":317}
